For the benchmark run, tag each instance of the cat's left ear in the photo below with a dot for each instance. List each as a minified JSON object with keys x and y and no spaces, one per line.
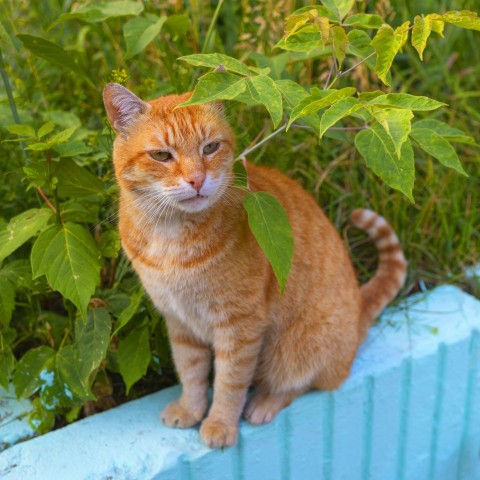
{"x":123,"y":107}
{"x":219,"y":107}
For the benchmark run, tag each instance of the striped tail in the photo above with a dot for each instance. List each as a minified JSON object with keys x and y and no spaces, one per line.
{"x":392,"y":268}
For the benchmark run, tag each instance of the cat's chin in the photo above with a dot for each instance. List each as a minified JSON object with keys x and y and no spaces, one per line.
{"x":195,"y":204}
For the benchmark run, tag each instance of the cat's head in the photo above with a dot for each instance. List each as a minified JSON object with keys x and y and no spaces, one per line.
{"x":172,"y":158}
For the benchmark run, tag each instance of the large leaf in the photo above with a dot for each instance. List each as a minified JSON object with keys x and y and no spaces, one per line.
{"x":387,"y":42}
{"x":462,"y":18}
{"x":264,"y":90}
{"x":134,"y":355}
{"x":28,"y":376}
{"x":378,"y":150}
{"x":436,"y":146}
{"x":216,"y":86}
{"x":319,"y":100}
{"x":305,"y":40}
{"x":340,"y":41}
{"x":269,"y":224}
{"x":69,"y":258}
{"x":340,"y":7}
{"x":401,"y":100}
{"x":336,"y":112}
{"x":140,"y":31}
{"x":364,"y":20}
{"x":446,"y":131}
{"x":99,"y":11}
{"x":7,"y":301}
{"x":76,"y":181}
{"x":92,"y":338}
{"x":397,"y":123}
{"x":422,"y":28}
{"x":214,"y":60}
{"x":21,"y":228}
{"x":292,"y":92}
{"x":53,"y":53}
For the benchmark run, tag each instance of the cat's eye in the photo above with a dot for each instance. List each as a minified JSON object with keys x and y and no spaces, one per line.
{"x":210,"y":148}
{"x":161,"y":156}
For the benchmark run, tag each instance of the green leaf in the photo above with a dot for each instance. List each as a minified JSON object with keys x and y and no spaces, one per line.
{"x":73,"y":148}
{"x":110,"y":244}
{"x":240,"y":174}
{"x":177,"y":26}
{"x":53,"y":53}
{"x":21,"y":228}
{"x":360,"y":46}
{"x":70,"y":384}
{"x":462,"y":18}
{"x":269,"y":224}
{"x":319,"y":100}
{"x":446,"y":131}
{"x":7,"y":364}
{"x":305,"y":40}
{"x":336,"y":112}
{"x":7,"y":301}
{"x":264,"y":90}
{"x":216,"y":86}
{"x":422,"y":27}
{"x":397,"y":123}
{"x":45,"y":129}
{"x":21,"y":130}
{"x":364,"y":20}
{"x":322,"y":11}
{"x":340,"y":43}
{"x":38,"y":147}
{"x":129,"y":311}
{"x":214,"y":60}
{"x":76,"y":181}
{"x":134,"y":355}
{"x":340,"y":7}
{"x":378,"y":150}
{"x":99,"y":11}
{"x":40,"y":418}
{"x":139,"y":32}
{"x":70,"y":259}
{"x":401,"y":100}
{"x":91,"y":341}
{"x":292,"y":92}
{"x":436,"y":146}
{"x":61,"y":137}
{"x":28,"y":377}
{"x":387,"y":42}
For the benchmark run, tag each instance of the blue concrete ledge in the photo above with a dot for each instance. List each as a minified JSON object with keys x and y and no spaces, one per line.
{"x":410,"y":410}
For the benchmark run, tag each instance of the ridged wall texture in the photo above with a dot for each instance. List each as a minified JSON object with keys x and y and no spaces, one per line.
{"x":409,"y":411}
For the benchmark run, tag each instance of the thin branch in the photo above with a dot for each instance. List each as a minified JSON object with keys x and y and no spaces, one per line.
{"x":47,"y":201}
{"x":341,"y":74}
{"x":265,"y":140}
{"x":306,"y":127}
{"x":329,"y":75}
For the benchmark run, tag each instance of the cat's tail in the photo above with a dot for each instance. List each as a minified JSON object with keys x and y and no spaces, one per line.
{"x":392,"y":267}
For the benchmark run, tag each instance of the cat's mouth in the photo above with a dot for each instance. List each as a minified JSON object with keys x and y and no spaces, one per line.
{"x":196,"y":198}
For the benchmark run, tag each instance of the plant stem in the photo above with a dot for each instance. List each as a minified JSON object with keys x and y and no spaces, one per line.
{"x":329,"y":75}
{"x":47,"y":201}
{"x":206,"y":43}
{"x":265,"y":140}
{"x":341,"y":74}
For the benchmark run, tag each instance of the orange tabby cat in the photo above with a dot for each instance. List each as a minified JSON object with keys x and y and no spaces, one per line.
{"x":186,"y":233}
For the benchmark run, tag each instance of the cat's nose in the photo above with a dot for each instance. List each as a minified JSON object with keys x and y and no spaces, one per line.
{"x":196,"y":180}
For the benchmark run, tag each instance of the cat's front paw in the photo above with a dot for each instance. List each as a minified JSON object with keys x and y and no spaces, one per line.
{"x":218,"y":434}
{"x":174,"y":415}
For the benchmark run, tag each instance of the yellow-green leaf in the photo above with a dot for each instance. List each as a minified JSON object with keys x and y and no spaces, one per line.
{"x":364,"y":20}
{"x":340,"y":7}
{"x":269,"y":224}
{"x":336,"y":112}
{"x":400,"y":100}
{"x":378,"y":150}
{"x":264,"y":90}
{"x":387,"y":43}
{"x":396,"y":122}
{"x":140,"y":31}
{"x":462,"y":18}
{"x":213,"y":60}
{"x":436,"y":146}
{"x":340,"y":43}
{"x":422,"y":28}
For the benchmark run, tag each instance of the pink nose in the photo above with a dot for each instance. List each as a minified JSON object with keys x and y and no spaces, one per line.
{"x":196,"y":180}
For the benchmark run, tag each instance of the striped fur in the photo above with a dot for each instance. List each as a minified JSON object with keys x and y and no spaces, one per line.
{"x":184,"y":228}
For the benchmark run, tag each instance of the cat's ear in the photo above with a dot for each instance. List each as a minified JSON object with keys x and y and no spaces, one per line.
{"x":219,"y":107}
{"x":123,"y":107}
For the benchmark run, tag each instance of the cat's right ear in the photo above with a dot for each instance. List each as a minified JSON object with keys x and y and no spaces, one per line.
{"x":123,"y":107}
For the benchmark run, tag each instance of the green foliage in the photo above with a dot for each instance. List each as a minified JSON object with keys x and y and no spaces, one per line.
{"x":343,"y":74}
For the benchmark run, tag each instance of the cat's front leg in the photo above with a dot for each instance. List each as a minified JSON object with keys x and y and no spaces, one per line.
{"x":192,"y":360}
{"x":236,"y":352}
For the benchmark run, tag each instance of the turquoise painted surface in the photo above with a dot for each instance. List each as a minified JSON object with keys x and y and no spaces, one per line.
{"x":409,"y":411}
